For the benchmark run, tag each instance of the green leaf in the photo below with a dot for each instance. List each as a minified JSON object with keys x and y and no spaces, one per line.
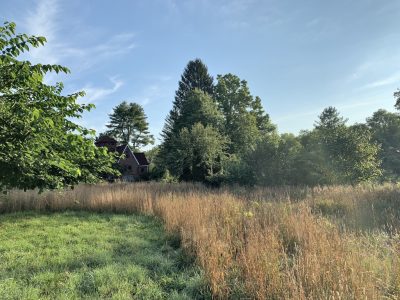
{"x":35,"y":114}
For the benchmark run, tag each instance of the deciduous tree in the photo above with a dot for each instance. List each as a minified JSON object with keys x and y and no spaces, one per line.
{"x":244,"y":118}
{"x":40,"y":146}
{"x":385,"y":128}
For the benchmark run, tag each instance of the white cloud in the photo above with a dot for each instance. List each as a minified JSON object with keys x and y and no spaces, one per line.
{"x":394,"y":78}
{"x":148,"y":94}
{"x":96,"y":93}
{"x":46,"y":20}
{"x":377,"y":64}
{"x":42,"y":22}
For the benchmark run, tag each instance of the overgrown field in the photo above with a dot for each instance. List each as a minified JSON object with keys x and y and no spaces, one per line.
{"x":77,"y":255}
{"x":276,"y":243}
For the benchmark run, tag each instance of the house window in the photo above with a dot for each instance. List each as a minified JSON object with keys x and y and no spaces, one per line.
{"x":142,"y":169}
{"x":129,"y":167}
{"x":126,"y":154}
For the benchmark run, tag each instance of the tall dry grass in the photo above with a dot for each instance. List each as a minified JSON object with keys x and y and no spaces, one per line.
{"x":275,"y":243}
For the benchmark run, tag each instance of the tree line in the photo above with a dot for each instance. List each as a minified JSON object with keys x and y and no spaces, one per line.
{"x":217,"y":132}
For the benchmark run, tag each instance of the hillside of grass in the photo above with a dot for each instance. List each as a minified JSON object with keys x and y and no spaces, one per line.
{"x":75,"y":255}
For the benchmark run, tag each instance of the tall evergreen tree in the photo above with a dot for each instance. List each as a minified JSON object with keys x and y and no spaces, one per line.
{"x":194,"y":76}
{"x":263,"y":120}
{"x":128,"y":125}
{"x":330,"y":120}
{"x":200,"y":109}
{"x":397,"y":96}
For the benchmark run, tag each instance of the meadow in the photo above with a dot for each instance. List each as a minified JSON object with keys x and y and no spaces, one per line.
{"x":339,"y":242}
{"x":81,"y":255}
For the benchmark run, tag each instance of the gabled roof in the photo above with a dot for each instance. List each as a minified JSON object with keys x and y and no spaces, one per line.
{"x":120,"y":149}
{"x":141,"y":158}
{"x":106,"y":139}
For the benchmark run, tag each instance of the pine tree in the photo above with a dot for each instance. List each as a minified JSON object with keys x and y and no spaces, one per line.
{"x":195,"y":76}
{"x":263,"y":120}
{"x":128,"y":125}
{"x":397,"y":96}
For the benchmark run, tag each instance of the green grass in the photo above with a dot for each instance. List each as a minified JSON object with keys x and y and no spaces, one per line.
{"x":77,"y":255}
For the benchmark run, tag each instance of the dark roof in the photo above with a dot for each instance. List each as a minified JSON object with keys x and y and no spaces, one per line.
{"x":105,"y":139}
{"x":120,"y":149}
{"x":141,"y":158}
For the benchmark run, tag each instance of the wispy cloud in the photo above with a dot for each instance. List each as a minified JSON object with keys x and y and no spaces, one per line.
{"x":394,"y":78}
{"x":378,"y":63}
{"x":148,"y":95}
{"x":351,"y":107}
{"x":94,"y":94}
{"x":42,"y":22}
{"x":46,"y":20}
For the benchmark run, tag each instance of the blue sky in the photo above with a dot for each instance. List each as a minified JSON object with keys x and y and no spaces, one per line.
{"x":298,"y":56}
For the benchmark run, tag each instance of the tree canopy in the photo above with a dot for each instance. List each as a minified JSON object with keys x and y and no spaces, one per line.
{"x":244,"y":118}
{"x":128,"y":124}
{"x":397,"y":96}
{"x":195,"y":76}
{"x":385,"y":129}
{"x":40,"y":144}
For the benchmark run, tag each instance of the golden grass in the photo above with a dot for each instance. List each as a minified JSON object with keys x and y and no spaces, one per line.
{"x":271,"y":243}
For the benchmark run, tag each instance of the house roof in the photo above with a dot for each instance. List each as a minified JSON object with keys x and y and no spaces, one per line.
{"x":106,"y":139}
{"x":141,"y":158}
{"x":120,"y":149}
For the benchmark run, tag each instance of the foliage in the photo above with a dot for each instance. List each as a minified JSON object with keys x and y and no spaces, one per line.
{"x":237,"y":117}
{"x":351,"y":150}
{"x":338,"y":153}
{"x":128,"y":125}
{"x":314,"y":164}
{"x":332,"y":153}
{"x":199,"y":108}
{"x":397,"y":97}
{"x":330,"y":121}
{"x":195,"y":76}
{"x":40,"y":146}
{"x":385,"y":129}
{"x":244,"y":118}
{"x":198,"y":153}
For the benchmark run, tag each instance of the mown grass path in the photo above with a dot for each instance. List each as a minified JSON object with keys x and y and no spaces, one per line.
{"x":77,"y":255}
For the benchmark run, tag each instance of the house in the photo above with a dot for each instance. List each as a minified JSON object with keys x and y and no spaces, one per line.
{"x":132,"y":165}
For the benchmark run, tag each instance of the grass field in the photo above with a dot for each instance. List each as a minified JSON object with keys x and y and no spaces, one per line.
{"x":339,"y":242}
{"x":74,"y":255}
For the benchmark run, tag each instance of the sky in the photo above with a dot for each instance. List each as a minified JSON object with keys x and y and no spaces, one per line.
{"x":298,"y":56}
